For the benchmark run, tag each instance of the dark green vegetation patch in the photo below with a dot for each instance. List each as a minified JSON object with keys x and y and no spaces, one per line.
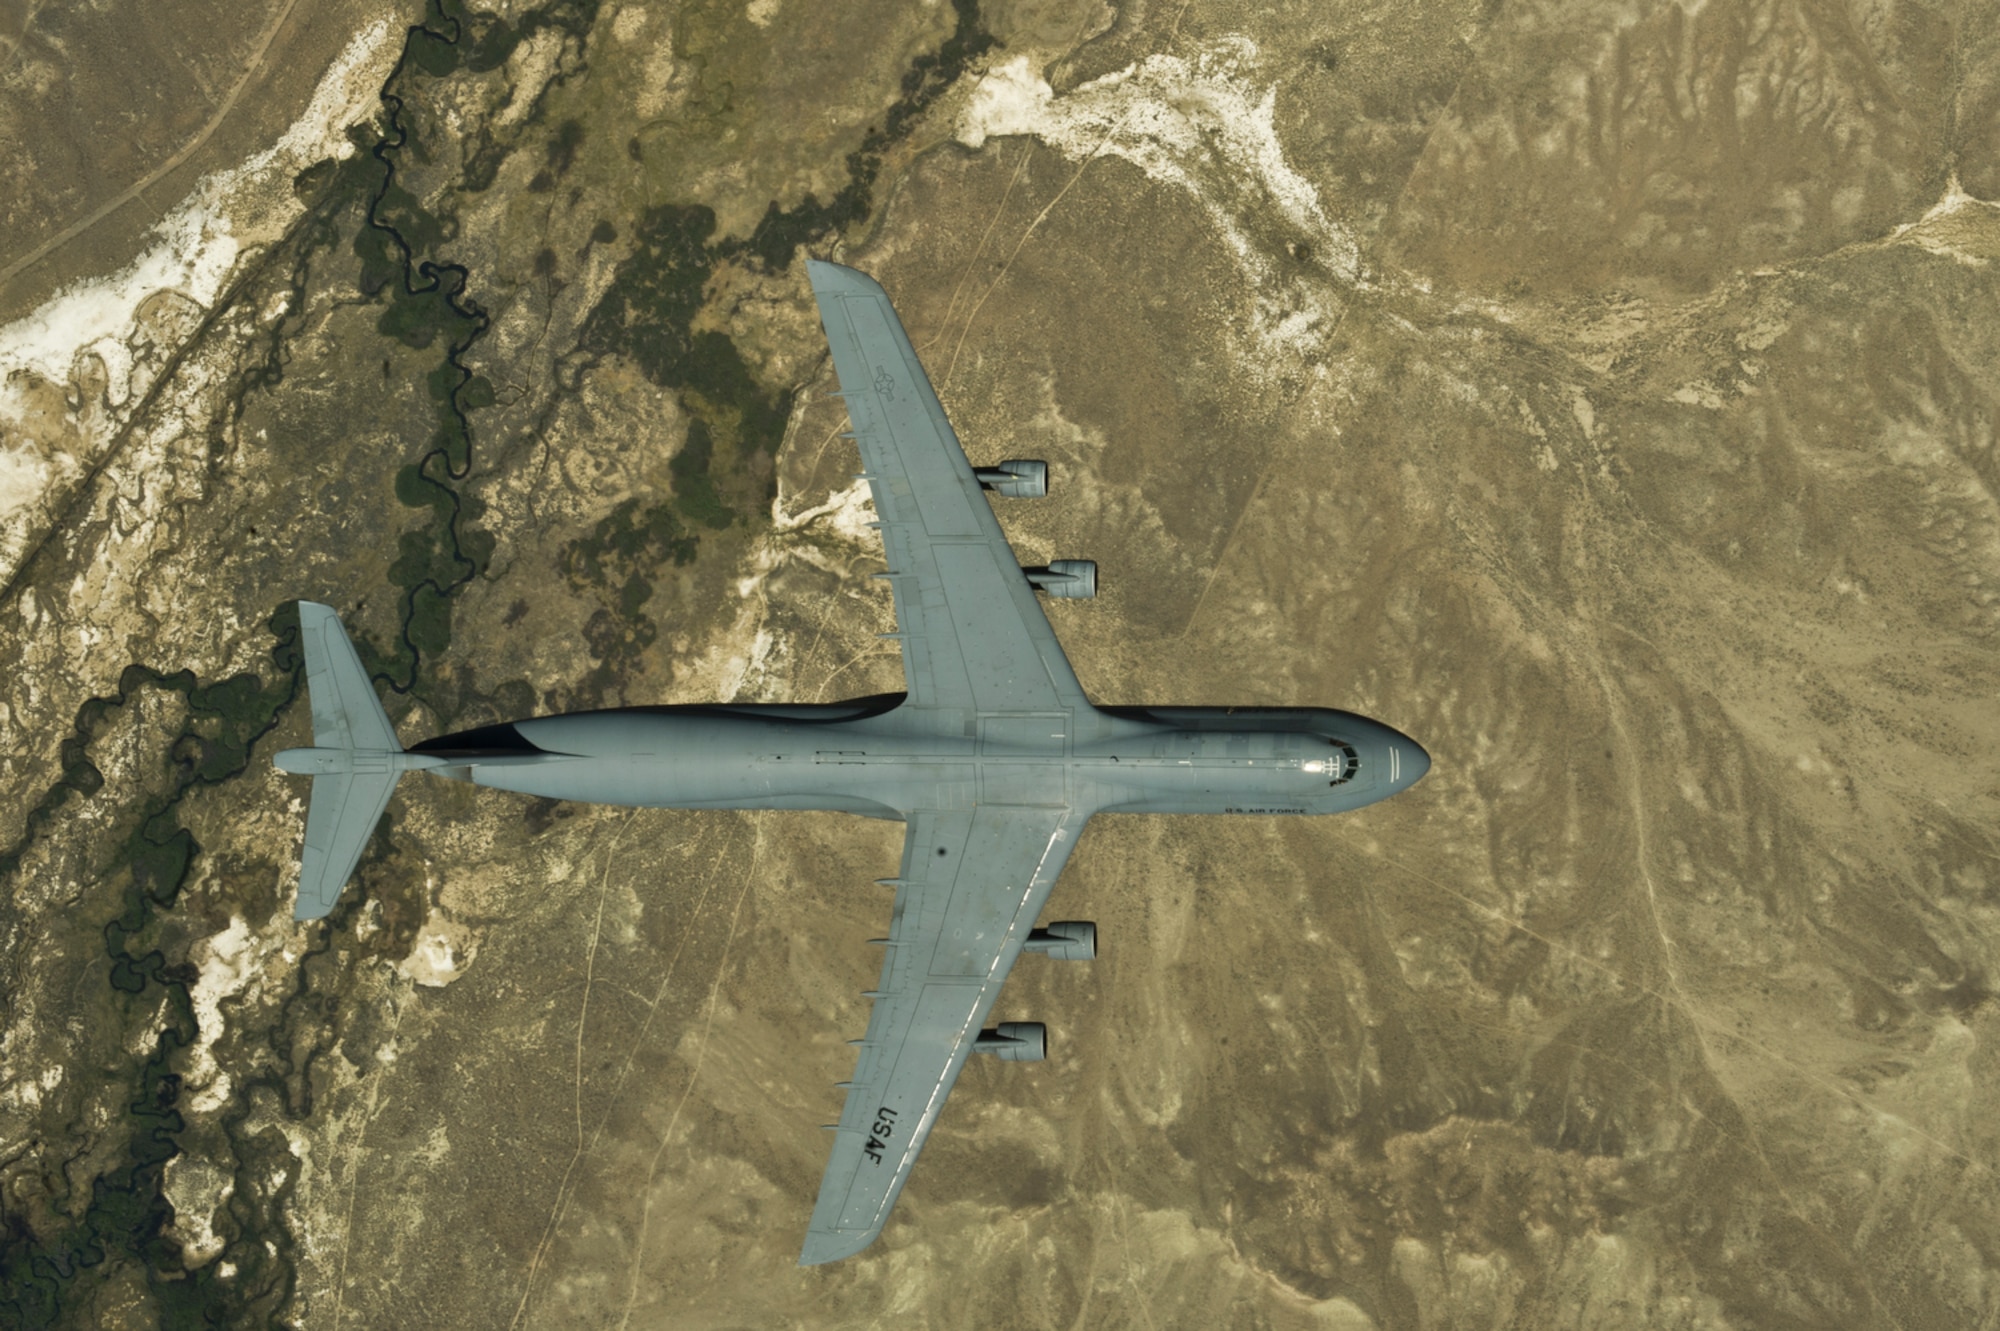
{"x":49,"y":1277}
{"x":102,"y":1220}
{"x":648,"y":311}
{"x":648,"y":314}
{"x":782,"y":230}
{"x":611,"y":564}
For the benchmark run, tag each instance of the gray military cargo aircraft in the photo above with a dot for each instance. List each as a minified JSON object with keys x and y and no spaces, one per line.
{"x":993,"y":760}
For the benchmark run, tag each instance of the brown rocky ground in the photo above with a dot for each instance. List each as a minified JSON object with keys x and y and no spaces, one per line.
{"x":1605,"y":398}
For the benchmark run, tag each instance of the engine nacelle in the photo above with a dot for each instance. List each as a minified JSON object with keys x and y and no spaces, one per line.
{"x":1065,"y":940}
{"x":1017,"y":478}
{"x":1066,"y":577}
{"x":1015,"y":1041}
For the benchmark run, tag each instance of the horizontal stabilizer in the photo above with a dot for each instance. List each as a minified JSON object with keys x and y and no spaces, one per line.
{"x":346,"y":712}
{"x":342,"y":816}
{"x":354,"y":764}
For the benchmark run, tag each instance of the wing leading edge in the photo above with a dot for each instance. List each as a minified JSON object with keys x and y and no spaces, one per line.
{"x":975,"y":642}
{"x":972,"y":633}
{"x":973,"y":882}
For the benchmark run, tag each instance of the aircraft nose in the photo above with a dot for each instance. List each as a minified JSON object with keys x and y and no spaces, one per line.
{"x":1407,"y":761}
{"x":1415,"y":762}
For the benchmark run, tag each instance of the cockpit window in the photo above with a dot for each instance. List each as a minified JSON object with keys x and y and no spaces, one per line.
{"x":1346,"y":764}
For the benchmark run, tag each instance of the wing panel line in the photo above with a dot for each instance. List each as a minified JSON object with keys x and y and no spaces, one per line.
{"x":928,"y":499}
{"x":921,"y":1032}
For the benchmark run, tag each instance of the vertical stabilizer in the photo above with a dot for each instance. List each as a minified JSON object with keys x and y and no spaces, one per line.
{"x":354,"y":763}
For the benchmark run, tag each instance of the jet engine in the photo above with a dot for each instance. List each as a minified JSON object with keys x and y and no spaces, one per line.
{"x":1065,"y":577}
{"x":1017,"y":478}
{"x":1065,"y":940}
{"x":1015,"y":1041}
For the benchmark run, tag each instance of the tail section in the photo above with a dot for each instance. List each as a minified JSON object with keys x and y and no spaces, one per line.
{"x":354,"y":764}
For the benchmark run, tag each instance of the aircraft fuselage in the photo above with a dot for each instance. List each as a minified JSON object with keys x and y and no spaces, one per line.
{"x":876,"y":759}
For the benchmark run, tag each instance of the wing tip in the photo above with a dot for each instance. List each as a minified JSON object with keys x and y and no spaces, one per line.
{"x":833,"y":1245}
{"x":318,"y":895}
{"x":837,"y":279}
{"x":316,"y":614}
{"x":313,"y":903}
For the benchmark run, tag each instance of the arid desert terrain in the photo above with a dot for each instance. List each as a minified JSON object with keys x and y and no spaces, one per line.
{"x":1606,"y":396}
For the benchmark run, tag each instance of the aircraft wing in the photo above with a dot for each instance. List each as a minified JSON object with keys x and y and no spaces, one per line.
{"x":972,"y":884}
{"x":973,"y":635}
